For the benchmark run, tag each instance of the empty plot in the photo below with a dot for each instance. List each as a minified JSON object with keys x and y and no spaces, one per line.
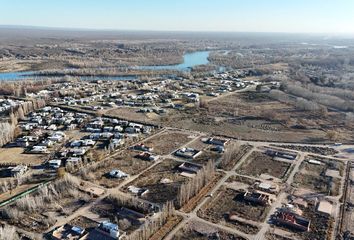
{"x":162,"y":181}
{"x":259,"y":163}
{"x":167,"y":142}
{"x":228,"y":202}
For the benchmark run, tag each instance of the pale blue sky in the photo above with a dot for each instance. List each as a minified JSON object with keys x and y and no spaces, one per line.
{"x":320,"y":16}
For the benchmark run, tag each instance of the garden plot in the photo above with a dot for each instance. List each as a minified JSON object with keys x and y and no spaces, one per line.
{"x":128,"y":213}
{"x":200,"y":231}
{"x":167,"y":142}
{"x":259,"y":163}
{"x":162,"y":182}
{"x":39,"y":211}
{"x":229,"y":208}
{"x":125,"y":162}
{"x":320,"y":175}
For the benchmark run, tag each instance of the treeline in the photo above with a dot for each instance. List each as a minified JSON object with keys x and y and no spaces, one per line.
{"x":47,"y":196}
{"x":7,"y":132}
{"x":154,"y":224}
{"x":7,"y":129}
{"x":22,"y":88}
{"x":192,"y":187}
{"x":320,"y":98}
{"x":26,"y":107}
{"x":299,"y":102}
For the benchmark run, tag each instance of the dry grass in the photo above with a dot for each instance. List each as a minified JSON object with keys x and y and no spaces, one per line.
{"x":16,"y":155}
{"x":167,"y":142}
{"x":259,"y":163}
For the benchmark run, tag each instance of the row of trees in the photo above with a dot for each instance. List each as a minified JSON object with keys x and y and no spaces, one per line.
{"x":299,"y":102}
{"x":7,"y":232}
{"x":152,"y":225}
{"x":45,"y":197}
{"x":134,"y":203}
{"x":321,"y":98}
{"x":191,"y":188}
{"x":231,"y":151}
{"x":7,"y":129}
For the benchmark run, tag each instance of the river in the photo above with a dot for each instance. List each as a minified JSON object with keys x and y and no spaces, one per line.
{"x":189,"y":60}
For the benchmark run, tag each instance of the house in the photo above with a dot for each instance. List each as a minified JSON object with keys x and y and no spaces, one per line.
{"x":17,"y":171}
{"x":68,"y":232}
{"x":132,"y":130}
{"x":292,"y":220}
{"x":117,"y":174}
{"x":21,"y":142}
{"x":188,"y":153}
{"x":54,"y":164}
{"x":267,"y":187}
{"x":39,"y":149}
{"x":138,"y":191}
{"x":73,"y":160}
{"x":147,"y":156}
{"x":257,"y":198}
{"x":281,"y":154}
{"x":142,"y":147}
{"x":217,"y":141}
{"x":325,"y":207}
{"x":110,"y":228}
{"x":57,"y":136}
{"x":78,"y":151}
{"x":189,"y":167}
{"x":88,"y":142}
{"x":76,"y":143}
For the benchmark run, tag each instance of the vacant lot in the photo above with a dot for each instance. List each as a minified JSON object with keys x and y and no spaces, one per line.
{"x":125,"y":161}
{"x":127,"y":219}
{"x":326,"y":164}
{"x":16,"y":155}
{"x":132,"y":114}
{"x":167,"y":142}
{"x":255,"y":116}
{"x":259,"y":163}
{"x":319,"y":184}
{"x":201,"y":231}
{"x":163,"y":182}
{"x":230,"y":202}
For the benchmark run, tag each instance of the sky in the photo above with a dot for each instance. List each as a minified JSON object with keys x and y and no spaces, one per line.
{"x":295,"y":16}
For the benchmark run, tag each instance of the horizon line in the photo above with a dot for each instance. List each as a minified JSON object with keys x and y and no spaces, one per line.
{"x":89,"y":29}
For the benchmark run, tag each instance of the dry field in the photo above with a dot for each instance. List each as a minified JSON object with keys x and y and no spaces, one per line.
{"x":255,"y":116}
{"x":125,"y":161}
{"x":259,"y":163}
{"x":163,"y":182}
{"x":167,"y":142}
{"x":324,"y":178}
{"x":132,"y":114}
{"x":201,"y":231}
{"x":229,"y":201}
{"x":15,"y":155}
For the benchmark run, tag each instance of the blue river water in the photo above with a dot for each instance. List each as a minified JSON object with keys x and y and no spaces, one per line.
{"x":189,"y":60}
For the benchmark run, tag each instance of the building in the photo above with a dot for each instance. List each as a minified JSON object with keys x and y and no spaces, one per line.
{"x":325,"y":207}
{"x":257,"y":198}
{"x":292,"y":220}
{"x":187,"y":153}
{"x":189,"y":167}
{"x":68,"y":232}
{"x":217,"y":141}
